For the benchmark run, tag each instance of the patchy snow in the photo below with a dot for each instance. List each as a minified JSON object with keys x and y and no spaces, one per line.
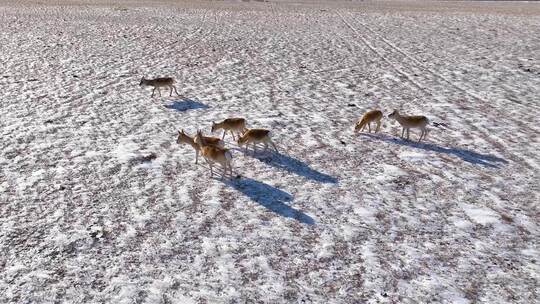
{"x":480,"y":215}
{"x":98,"y":204}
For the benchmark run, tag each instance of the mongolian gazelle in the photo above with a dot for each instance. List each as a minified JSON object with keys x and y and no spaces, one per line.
{"x":407,"y":122}
{"x":367,"y":119}
{"x":158,"y":83}
{"x":233,"y":125}
{"x":214,"y":154}
{"x":256,"y":136}
{"x":207,"y":140}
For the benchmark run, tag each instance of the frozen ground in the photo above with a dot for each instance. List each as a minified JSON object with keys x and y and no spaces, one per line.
{"x":98,"y":204}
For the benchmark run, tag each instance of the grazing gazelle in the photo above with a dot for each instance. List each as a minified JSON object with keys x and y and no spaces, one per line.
{"x":407,"y":122}
{"x":233,"y":125}
{"x":367,"y":119}
{"x":214,"y":154}
{"x":207,"y":140}
{"x":256,"y":136}
{"x":158,"y":83}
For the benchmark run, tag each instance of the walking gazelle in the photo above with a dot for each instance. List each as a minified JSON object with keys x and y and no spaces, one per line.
{"x":256,"y":136}
{"x":214,"y":154}
{"x":408,"y":122}
{"x":208,"y":140}
{"x":367,"y":119}
{"x":159,"y":83}
{"x":232,"y":125}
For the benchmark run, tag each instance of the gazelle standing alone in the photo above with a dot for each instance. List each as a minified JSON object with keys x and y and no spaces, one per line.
{"x":158,"y":83}
{"x":214,"y":154}
{"x":367,"y":119}
{"x":233,"y":125}
{"x":408,"y":122}
{"x":256,"y":136}
{"x":207,"y":140}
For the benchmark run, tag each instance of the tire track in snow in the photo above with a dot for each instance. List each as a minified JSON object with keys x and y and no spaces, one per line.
{"x":342,"y":130}
{"x":486,"y":135}
{"x":430,"y":171}
{"x":462,"y":88}
{"x":417,"y":62}
{"x":497,"y":111}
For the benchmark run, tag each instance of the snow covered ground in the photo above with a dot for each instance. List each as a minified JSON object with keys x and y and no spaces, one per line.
{"x":98,"y":204}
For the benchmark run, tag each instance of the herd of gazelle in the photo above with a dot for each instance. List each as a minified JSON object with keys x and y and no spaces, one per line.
{"x":406,"y":122}
{"x":213,"y":148}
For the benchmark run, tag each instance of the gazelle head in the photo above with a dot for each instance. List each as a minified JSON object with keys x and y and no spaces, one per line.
{"x":393,"y":114}
{"x":242,"y":139}
{"x":214,"y":127}
{"x":182,"y":137}
{"x":198,"y":137}
{"x":357,"y":126}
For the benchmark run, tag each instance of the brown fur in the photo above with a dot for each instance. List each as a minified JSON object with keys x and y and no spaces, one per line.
{"x":367,"y":119}
{"x":233,"y":125}
{"x":208,"y":140}
{"x":158,"y":83}
{"x":214,"y":154}
{"x":408,"y":122}
{"x":256,"y":136}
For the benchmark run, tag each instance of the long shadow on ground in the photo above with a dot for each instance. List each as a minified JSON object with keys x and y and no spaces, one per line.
{"x":270,"y":197}
{"x":293,"y":165}
{"x":185,"y":104}
{"x":464,"y":154}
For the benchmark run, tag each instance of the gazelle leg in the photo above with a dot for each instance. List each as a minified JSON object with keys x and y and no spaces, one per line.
{"x":223,"y":137}
{"x":170,"y":90}
{"x":223,"y":170}
{"x":407,"y":133}
{"x":226,"y":170}
{"x":153,"y":91}
{"x":159,"y":91}
{"x":369,"y":126}
{"x":275,"y":148}
{"x":209,"y":164}
{"x":176,"y":91}
{"x":421,"y":135}
{"x":402,"y":132}
{"x":196,"y":156}
{"x":378,"y":126}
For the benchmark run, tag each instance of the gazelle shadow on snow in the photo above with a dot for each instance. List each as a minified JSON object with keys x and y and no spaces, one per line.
{"x":269,"y":197}
{"x":464,"y":154}
{"x":293,"y":165}
{"x":185,"y":104}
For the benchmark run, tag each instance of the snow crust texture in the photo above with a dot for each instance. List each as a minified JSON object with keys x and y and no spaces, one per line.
{"x":99,"y":204}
